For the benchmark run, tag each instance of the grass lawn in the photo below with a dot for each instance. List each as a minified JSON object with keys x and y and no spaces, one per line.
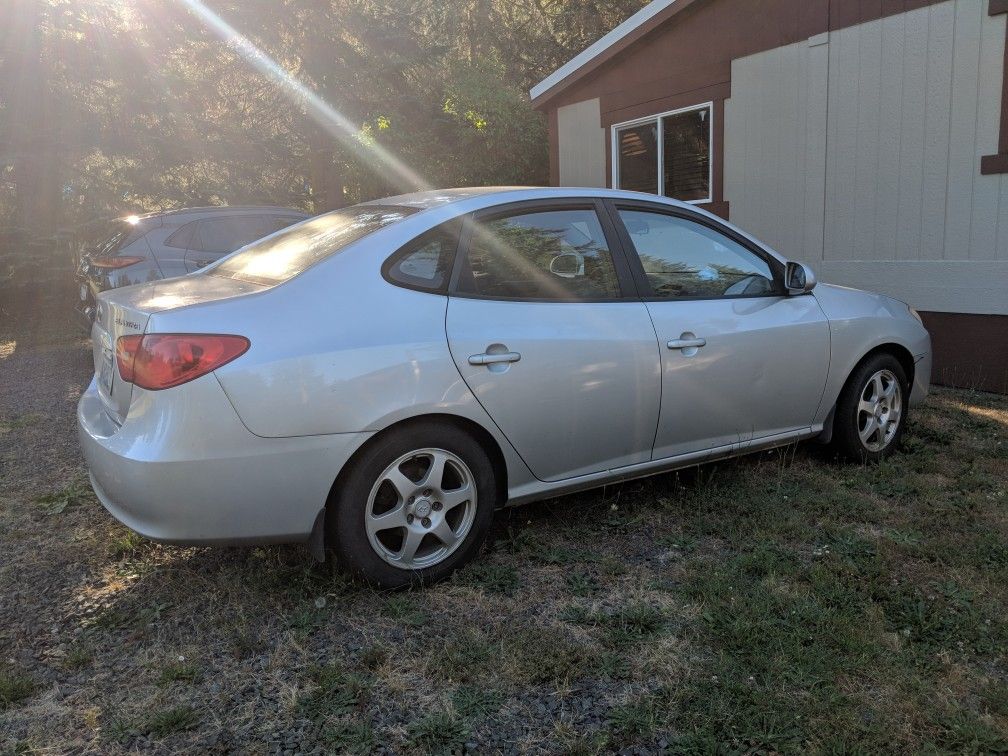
{"x":779,"y":602}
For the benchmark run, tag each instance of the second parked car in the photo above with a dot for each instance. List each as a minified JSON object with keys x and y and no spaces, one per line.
{"x":164,"y":245}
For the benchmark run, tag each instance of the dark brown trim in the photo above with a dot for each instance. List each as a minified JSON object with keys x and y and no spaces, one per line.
{"x":717,"y":155}
{"x":662,"y":102}
{"x":969,"y":351}
{"x":992,"y":164}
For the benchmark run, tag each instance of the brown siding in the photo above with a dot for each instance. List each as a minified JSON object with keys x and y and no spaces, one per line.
{"x":692,"y":37}
{"x":970,"y":351}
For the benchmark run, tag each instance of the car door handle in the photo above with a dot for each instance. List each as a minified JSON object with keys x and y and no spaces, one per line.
{"x":686,"y":343}
{"x":494,"y":359}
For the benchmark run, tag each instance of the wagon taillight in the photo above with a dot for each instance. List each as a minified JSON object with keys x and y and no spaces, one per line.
{"x":162,"y":360}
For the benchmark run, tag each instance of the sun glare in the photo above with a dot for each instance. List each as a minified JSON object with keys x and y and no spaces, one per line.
{"x":322,"y":112}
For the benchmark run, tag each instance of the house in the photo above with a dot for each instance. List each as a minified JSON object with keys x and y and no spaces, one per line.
{"x":868,"y":138}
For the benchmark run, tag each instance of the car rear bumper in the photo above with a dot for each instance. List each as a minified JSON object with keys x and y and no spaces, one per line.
{"x":183,"y":469}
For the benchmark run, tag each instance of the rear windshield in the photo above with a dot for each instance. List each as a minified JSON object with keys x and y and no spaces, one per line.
{"x":285,"y":254}
{"x":124,"y":233}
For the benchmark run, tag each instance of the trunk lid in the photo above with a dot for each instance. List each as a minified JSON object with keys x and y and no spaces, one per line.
{"x":126,"y":311}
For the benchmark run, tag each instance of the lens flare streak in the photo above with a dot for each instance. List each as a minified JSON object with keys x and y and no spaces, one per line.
{"x":335,"y":124}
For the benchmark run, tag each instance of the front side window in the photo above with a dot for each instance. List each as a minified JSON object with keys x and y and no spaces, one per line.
{"x":547,"y":254}
{"x":685,"y":259}
{"x":667,"y":155}
{"x":283,"y":255}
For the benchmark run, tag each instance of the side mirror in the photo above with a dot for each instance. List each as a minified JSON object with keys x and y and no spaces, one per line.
{"x":567,"y":265}
{"x":799,"y":278}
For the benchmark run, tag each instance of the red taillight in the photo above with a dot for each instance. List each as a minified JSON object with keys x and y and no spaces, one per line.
{"x":162,"y":360}
{"x":111,"y":263}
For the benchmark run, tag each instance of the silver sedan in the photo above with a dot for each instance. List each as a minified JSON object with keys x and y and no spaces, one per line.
{"x":380,"y":379}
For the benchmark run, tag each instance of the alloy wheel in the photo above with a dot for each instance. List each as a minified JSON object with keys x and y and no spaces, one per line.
{"x":879,"y":410}
{"x":421,"y":508}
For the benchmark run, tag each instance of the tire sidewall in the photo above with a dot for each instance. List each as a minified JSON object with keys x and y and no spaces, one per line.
{"x":846,"y":433}
{"x":345,"y":518}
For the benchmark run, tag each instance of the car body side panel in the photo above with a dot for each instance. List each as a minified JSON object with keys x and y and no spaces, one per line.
{"x":761,"y":372}
{"x":336,"y":362}
{"x":859,"y":322}
{"x":583,"y":397}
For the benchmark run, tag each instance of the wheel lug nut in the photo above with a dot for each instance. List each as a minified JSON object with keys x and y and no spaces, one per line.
{"x":409,"y":519}
{"x":437,"y":506}
{"x":426,"y":522}
{"x":412,"y":499}
{"x":427,"y":492}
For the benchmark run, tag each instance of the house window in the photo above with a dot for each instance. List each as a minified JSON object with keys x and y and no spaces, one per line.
{"x":666,"y":154}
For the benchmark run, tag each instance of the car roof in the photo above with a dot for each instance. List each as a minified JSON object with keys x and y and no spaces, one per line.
{"x":221,"y":210}
{"x":492,"y":195}
{"x":443,"y":201}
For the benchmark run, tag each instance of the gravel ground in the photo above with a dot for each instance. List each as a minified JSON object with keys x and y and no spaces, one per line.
{"x":595,"y":623}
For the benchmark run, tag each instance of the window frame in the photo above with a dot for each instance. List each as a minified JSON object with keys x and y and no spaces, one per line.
{"x":657,"y":118}
{"x":624,"y":275}
{"x":613,"y":206}
{"x":453,"y":227}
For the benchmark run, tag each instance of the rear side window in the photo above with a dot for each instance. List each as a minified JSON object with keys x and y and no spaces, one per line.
{"x":182,"y":238}
{"x":547,"y":254}
{"x":285,"y":254}
{"x":426,"y":262}
{"x":220,"y":235}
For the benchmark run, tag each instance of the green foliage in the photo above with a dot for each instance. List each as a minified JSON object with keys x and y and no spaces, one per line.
{"x":15,"y":686}
{"x":438,"y":732}
{"x":336,"y":693}
{"x":112,"y":108}
{"x":167,"y":721}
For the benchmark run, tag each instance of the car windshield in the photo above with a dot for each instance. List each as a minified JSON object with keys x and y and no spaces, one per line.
{"x":286,"y":253}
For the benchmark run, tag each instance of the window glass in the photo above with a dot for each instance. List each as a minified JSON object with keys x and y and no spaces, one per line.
{"x":550,"y":254}
{"x":638,"y":158}
{"x":287,"y":253}
{"x":426,"y":262}
{"x":219,"y":235}
{"x":684,"y":163}
{"x":182,"y":238}
{"x":682,"y":258}
{"x":123,"y":235}
{"x":273,"y":223}
{"x":686,"y":155}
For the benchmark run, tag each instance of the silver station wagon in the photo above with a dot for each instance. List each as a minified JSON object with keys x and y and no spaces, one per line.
{"x":380,"y":379}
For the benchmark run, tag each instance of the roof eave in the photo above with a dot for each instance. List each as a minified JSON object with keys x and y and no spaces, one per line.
{"x":643,"y":21}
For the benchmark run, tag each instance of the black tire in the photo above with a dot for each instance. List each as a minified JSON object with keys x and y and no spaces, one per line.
{"x":851,"y":419}
{"x":346,"y":532}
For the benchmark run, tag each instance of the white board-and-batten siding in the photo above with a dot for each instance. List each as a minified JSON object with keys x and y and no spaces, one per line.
{"x":859,"y":151}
